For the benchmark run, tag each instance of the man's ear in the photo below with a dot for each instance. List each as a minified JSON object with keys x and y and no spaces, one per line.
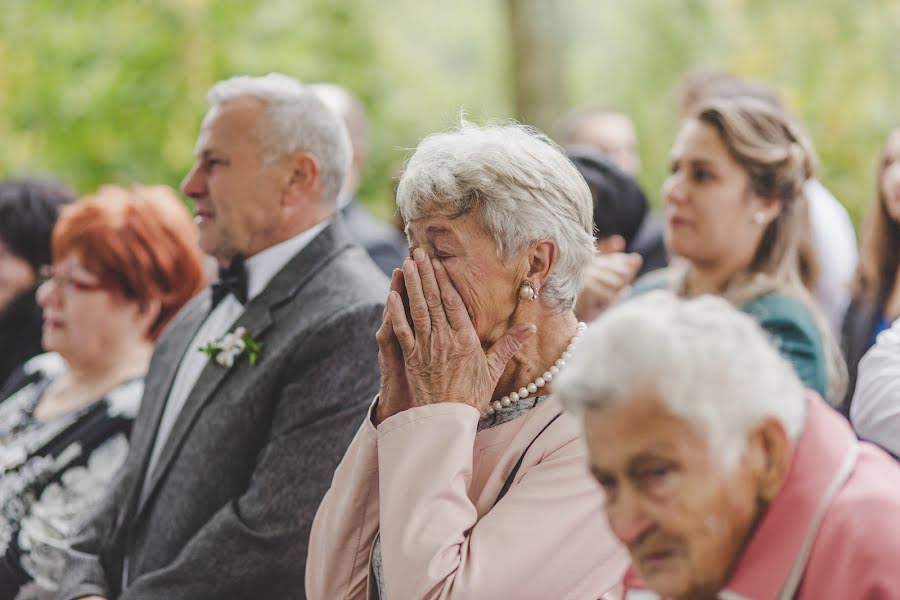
{"x":769,"y":452}
{"x":542,"y":258}
{"x":302,"y":176}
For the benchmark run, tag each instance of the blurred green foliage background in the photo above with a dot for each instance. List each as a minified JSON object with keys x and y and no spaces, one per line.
{"x":97,"y":91}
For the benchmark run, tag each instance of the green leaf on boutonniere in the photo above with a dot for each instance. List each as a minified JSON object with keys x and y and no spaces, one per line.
{"x":210,"y":349}
{"x":253,"y":348}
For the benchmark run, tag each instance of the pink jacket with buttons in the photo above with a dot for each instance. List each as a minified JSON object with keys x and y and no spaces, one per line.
{"x":427,"y":482}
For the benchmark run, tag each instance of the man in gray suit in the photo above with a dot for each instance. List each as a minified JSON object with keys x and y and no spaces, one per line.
{"x":235,"y":445}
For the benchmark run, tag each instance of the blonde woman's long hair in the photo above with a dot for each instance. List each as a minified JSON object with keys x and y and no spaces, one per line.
{"x":779,"y":160}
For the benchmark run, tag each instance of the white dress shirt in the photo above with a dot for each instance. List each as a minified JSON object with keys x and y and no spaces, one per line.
{"x":875,"y":409}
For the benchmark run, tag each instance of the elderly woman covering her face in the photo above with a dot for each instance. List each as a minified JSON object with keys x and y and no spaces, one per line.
{"x":464,"y":483}
{"x":723,"y":477}
{"x":736,"y":218}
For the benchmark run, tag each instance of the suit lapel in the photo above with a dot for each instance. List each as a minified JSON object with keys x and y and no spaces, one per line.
{"x":169,"y":354}
{"x":258,"y":318}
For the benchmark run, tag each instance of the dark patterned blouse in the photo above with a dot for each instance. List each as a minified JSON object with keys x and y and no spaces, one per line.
{"x":53,"y":474}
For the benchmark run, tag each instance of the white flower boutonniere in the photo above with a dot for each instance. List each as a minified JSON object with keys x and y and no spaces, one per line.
{"x":230,"y":346}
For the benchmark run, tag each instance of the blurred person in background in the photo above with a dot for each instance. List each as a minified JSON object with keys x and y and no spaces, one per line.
{"x":124,"y":262}
{"x":722,"y":475}
{"x":832,"y":239}
{"x":612,"y":133}
{"x":875,"y":407}
{"x":620,"y":208}
{"x":735,"y":212}
{"x":876,"y":284}
{"x":28,"y":211}
{"x":385,"y":245}
{"x":466,"y":481}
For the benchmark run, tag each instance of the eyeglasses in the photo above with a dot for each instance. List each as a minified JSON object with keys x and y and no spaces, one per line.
{"x":68,"y":280}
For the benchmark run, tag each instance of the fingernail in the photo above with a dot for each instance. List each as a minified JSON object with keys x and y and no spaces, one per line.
{"x":435,"y":263}
{"x":409,"y":266}
{"x":419,"y":254}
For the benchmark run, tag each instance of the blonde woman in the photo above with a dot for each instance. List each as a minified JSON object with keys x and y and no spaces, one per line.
{"x":735,"y":220}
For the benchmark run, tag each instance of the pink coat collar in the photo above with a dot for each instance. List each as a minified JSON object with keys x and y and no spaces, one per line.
{"x":772,"y":565}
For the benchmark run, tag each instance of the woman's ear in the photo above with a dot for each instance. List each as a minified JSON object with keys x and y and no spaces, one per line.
{"x":147,"y":315}
{"x":541,"y":259}
{"x":768,"y":210}
{"x":769,"y":452}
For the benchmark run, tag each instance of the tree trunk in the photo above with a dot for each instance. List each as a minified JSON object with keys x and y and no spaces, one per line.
{"x":537,"y":50}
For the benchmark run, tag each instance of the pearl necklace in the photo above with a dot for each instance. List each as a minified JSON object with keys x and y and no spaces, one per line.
{"x":530,"y":389}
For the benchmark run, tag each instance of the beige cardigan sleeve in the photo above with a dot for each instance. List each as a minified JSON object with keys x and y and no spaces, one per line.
{"x":547,"y":538}
{"x":345,"y":525}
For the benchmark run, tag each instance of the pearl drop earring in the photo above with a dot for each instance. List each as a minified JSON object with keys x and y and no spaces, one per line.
{"x":527,"y":292}
{"x":759,"y":217}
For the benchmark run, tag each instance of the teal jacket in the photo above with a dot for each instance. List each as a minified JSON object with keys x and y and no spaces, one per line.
{"x":789,"y":324}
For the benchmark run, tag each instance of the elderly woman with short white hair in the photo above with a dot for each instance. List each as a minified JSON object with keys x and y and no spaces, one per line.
{"x":723,"y":476}
{"x":467,"y":481}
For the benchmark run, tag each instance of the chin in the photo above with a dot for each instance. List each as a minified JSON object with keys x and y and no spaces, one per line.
{"x":679,"y":586}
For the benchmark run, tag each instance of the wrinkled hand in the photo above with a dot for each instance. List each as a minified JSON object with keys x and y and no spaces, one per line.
{"x":394,"y":395}
{"x":608,"y":276}
{"x":444,"y":358}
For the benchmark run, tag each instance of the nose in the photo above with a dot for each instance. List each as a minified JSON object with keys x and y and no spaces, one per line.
{"x":628,"y":520}
{"x":194,"y":185}
{"x":674,"y":190}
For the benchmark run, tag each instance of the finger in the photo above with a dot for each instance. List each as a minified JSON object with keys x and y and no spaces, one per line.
{"x":397,"y":281}
{"x":387,"y":340}
{"x":636,"y":261}
{"x":399,"y":285}
{"x":506,"y":347}
{"x":402,"y":331}
{"x":610,"y":279}
{"x":611,"y":244}
{"x":418,"y":308}
{"x":456,"y":312}
{"x":430,"y":289}
{"x":621,"y":263}
{"x":396,"y":286}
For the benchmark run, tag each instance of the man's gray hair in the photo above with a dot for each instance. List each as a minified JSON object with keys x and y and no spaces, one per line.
{"x":295,"y":120}
{"x":520,"y":185}
{"x":708,"y":362}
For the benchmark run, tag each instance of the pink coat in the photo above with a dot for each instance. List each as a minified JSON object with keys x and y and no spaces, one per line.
{"x":833,"y":531}
{"x":428,"y":483}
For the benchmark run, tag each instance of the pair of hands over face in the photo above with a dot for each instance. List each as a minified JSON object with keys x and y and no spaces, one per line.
{"x":429,"y":351}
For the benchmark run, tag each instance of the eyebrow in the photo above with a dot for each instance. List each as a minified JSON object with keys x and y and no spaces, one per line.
{"x":438,"y":230}
{"x":703,"y":162}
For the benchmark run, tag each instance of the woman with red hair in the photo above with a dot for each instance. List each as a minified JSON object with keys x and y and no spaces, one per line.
{"x":124,"y":263}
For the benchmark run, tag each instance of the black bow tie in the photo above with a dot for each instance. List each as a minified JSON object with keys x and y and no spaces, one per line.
{"x":232,"y":280}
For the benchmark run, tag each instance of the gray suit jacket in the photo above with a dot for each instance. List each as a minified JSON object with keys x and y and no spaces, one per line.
{"x":232,"y":499}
